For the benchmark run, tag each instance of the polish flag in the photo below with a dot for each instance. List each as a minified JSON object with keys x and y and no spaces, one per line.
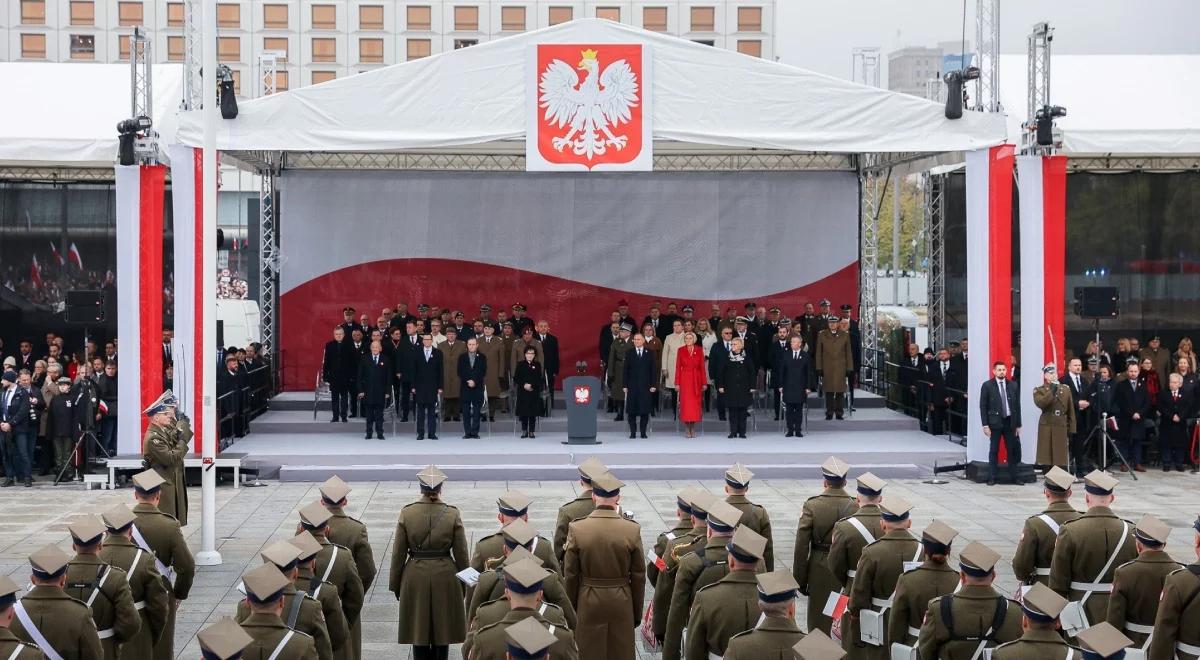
{"x":35,"y":273}
{"x":73,"y":256}
{"x":56,"y":254}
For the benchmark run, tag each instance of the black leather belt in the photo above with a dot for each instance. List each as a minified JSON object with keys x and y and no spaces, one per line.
{"x":428,"y":554}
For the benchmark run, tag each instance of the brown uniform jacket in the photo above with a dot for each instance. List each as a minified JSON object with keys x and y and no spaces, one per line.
{"x":834,"y":359}
{"x":148,"y":589}
{"x":1037,"y":645}
{"x":705,"y":563}
{"x":972,"y":610}
{"x":1178,"y":618}
{"x":309,"y":620}
{"x":616,"y":367}
{"x":492,"y":547}
{"x":335,"y":565}
{"x":879,"y":568}
{"x":1137,"y":586}
{"x":268,"y":632}
{"x":331,"y":608}
{"x":10,"y":643}
{"x":65,"y":622}
{"x":606,"y":581}
{"x":164,"y":449}
{"x":814,"y":536}
{"x":1056,"y":423}
{"x":491,"y":643}
{"x":772,"y":639}
{"x":351,"y":533}
{"x":491,"y":587}
{"x":580,"y":507}
{"x":1083,"y":548}
{"x":914,"y":590}
{"x":161,"y":532}
{"x":450,"y":354}
{"x":494,"y":611}
{"x":430,"y":546}
{"x":1035,"y":548}
{"x":721,"y":610}
{"x":756,"y":518}
{"x":682,"y":527}
{"x":664,"y":587}
{"x":493,"y":352}
{"x":112,"y":607}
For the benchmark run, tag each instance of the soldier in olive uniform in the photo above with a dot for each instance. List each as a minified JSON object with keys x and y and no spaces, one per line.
{"x":491,"y":347}
{"x":528,"y":640}
{"x":494,"y":610}
{"x":775,"y":631}
{"x":518,"y":536}
{"x":335,"y":564}
{"x":683,"y":526}
{"x":835,"y":366}
{"x":523,"y":589}
{"x":816,"y":645}
{"x":754,"y":516}
{"x":605,"y":576}
{"x":47,"y":617}
{"x":158,"y":534}
{"x":350,"y":533}
{"x":452,"y":349}
{"x":879,"y":568}
{"x":578,"y":508}
{"x":104,"y":589}
{"x":301,"y":612}
{"x":1177,"y":623}
{"x":273,"y":640}
{"x":146,"y":585}
{"x":729,"y":605}
{"x":167,"y":442}
{"x":11,"y":647}
{"x":1035,"y":548}
{"x":616,"y":369}
{"x":675,"y":549}
{"x":850,"y":536}
{"x":700,"y":567}
{"x":1090,"y":548}
{"x":917,"y":586}
{"x":430,"y":547}
{"x":1040,"y":639}
{"x":324,"y":592}
{"x":224,"y":640}
{"x":814,"y":535}
{"x":512,"y":505}
{"x":1057,"y":422}
{"x":1137,"y":585}
{"x":1103,"y":642}
{"x":962,"y":625}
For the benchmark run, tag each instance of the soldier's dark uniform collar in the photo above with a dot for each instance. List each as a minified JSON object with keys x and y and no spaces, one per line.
{"x":778,"y":624}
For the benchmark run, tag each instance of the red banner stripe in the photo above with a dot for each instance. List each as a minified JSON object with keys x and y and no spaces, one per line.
{"x":196,"y":387}
{"x":1000,"y":182}
{"x":150,"y":291}
{"x":1054,"y":241}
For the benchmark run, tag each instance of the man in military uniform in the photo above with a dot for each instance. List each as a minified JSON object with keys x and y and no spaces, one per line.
{"x":775,"y":631}
{"x":1035,"y":548}
{"x":683,"y":526}
{"x":702,"y":566}
{"x":580,"y":507}
{"x":224,"y":640}
{"x":523,"y":589}
{"x":146,"y":585}
{"x":512,"y":505}
{"x":47,"y":617}
{"x":323,"y":592}
{"x":301,"y":612}
{"x":495,"y":609}
{"x":1103,"y":642}
{"x":1088,"y":551}
{"x":1041,"y":639}
{"x":350,"y":533}
{"x":265,"y":587}
{"x":335,"y":564}
{"x":104,"y":589}
{"x":816,"y":645}
{"x":528,"y":640}
{"x":158,"y":533}
{"x":835,"y":364}
{"x":960,"y":626}
{"x":518,"y":537}
{"x":917,"y":586}
{"x":616,"y":369}
{"x":166,"y":443}
{"x":1177,"y":623}
{"x":754,"y":516}
{"x":605,"y":576}
{"x":451,"y":350}
{"x":491,"y":347}
{"x":698,"y":502}
{"x":814,"y":534}
{"x":728,"y":606}
{"x":1138,"y":584}
{"x":1056,"y":424}
{"x":879,"y":568}
{"x":10,"y":646}
{"x":850,"y":536}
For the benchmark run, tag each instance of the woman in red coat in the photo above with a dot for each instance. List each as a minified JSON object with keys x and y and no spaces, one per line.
{"x":690,"y":379}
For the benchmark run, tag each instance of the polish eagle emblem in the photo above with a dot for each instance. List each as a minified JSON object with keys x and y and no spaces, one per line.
{"x":595,"y":110}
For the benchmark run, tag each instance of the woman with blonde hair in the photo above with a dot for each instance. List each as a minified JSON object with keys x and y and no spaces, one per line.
{"x":1185,"y":352}
{"x":690,"y":380}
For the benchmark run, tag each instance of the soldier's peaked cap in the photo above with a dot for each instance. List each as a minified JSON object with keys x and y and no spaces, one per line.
{"x":148,"y":481}
{"x":977,"y":559}
{"x":738,"y":476}
{"x":816,"y":645}
{"x":518,"y":532}
{"x":1043,"y":604}
{"x":606,"y":485}
{"x":8,"y":591}
{"x":265,"y":583}
{"x":87,"y":530}
{"x":307,"y":544}
{"x":591,"y":468}
{"x":1058,"y":480}
{"x":224,"y":640}
{"x":314,"y":516}
{"x":747,"y":545}
{"x":334,"y":489}
{"x":834,"y":469}
{"x":528,"y":640}
{"x":431,"y":478}
{"x":49,"y":562}
{"x":1152,"y":531}
{"x":524,"y":577}
{"x":1099,"y":483}
{"x":164,"y":402}
{"x":894,"y":508}
{"x":701,"y":501}
{"x":683,"y":500}
{"x":938,"y":533}
{"x":118,"y":518}
{"x":870,"y":485}
{"x":521,"y":552}
{"x":1102,"y":640}
{"x":281,"y":553}
{"x":776,"y":586}
{"x":514,"y":503}
{"x":722,"y":516}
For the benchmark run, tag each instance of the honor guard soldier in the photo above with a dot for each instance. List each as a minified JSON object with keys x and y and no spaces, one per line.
{"x":324,"y":592}
{"x":523,"y":582}
{"x":579,"y":507}
{"x":518,"y":535}
{"x":1041,"y":639}
{"x":605,"y":576}
{"x":814,"y":535}
{"x":301,"y":612}
{"x":10,"y":646}
{"x":675,"y":549}
{"x":104,"y":589}
{"x":224,"y":640}
{"x":1177,"y":624}
{"x":728,"y":606}
{"x":775,"y":632}
{"x":917,"y":586}
{"x":702,"y":566}
{"x":350,"y":533}
{"x":683,"y":511}
{"x":850,"y":536}
{"x":335,"y":565}
{"x":158,"y":533}
{"x":1087,"y":553}
{"x":1056,"y":424}
{"x":47,"y":617}
{"x":816,"y":645}
{"x":1137,"y":585}
{"x":146,"y":585}
{"x":616,"y":368}
{"x":527,"y":640}
{"x":272,"y":638}
{"x":962,"y":625}
{"x":167,"y":441}
{"x":754,"y":516}
{"x":512,"y":505}
{"x":493,"y":610}
{"x":1035,"y":548}
{"x":879,"y":568}
{"x":1103,"y":642}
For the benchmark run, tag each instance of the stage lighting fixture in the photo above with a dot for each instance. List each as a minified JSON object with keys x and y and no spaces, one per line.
{"x":1044,"y":119}
{"x":228,"y":100}
{"x":955,"y":94}
{"x":127,"y":135}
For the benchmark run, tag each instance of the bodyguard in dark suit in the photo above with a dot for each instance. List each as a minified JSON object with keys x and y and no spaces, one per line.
{"x":795,"y":382}
{"x":1133,"y":406}
{"x":393,"y":348}
{"x":776,"y":350}
{"x":337,"y":369}
{"x":358,"y":349}
{"x":639,"y":382}
{"x":375,"y":375}
{"x":15,"y":429}
{"x":472,"y":370}
{"x":1083,"y":419}
{"x":717,"y":357}
{"x":940,"y":373}
{"x":427,"y":386}
{"x":406,"y":360}
{"x":1000,"y":409}
{"x":549,"y":356}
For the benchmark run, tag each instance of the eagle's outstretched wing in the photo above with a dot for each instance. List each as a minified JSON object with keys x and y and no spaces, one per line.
{"x":558,"y":94}
{"x":619,"y":94}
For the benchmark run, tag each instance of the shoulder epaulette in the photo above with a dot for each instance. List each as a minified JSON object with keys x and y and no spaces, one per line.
{"x":301,"y":632}
{"x":744,"y":632}
{"x":709,"y":585}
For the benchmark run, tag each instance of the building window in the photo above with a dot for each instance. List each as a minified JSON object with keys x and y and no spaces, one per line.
{"x":277,"y":44}
{"x":750,"y":47}
{"x":655,"y":18}
{"x":174,"y":14}
{"x":419,"y":18}
{"x":33,"y":46}
{"x":418,"y":48}
{"x":319,"y":77}
{"x":466,"y":19}
{"x":275,"y":16}
{"x":174,"y":49}
{"x":703,"y":19}
{"x":129,"y":13}
{"x":237,"y":82}
{"x":324,"y":49}
{"x":281,"y":81}
{"x":609,"y":13}
{"x":464,"y":43}
{"x":749,"y":19}
{"x":512,"y":19}
{"x":370,"y":17}
{"x":229,"y":15}
{"x":370,"y":50}
{"x":83,"y":47}
{"x":33,"y":12}
{"x":123,"y":43}
{"x":561,"y":15}
{"x":324,"y":17}
{"x":229,"y":49}
{"x":83,"y":12}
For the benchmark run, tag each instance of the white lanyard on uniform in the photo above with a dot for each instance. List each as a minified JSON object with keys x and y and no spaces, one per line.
{"x":38,"y":637}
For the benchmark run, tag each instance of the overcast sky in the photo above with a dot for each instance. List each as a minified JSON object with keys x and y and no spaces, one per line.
{"x":819,"y":35}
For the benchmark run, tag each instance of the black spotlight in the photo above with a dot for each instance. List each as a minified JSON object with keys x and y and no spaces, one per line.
{"x":1044,"y":119}
{"x":955,"y":93}
{"x":127,"y":134}
{"x":228,"y":101}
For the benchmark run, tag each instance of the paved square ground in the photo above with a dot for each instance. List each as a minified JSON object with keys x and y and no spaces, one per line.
{"x":248,"y":519}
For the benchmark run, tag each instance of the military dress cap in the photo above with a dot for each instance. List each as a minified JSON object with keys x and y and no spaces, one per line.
{"x":315,"y":516}
{"x":431,"y":478}
{"x":118,"y":518}
{"x":148,"y":481}
{"x":744,"y":320}
{"x":750,"y":305}
{"x":347,"y":309}
{"x":9,"y":375}
{"x":265,"y":583}
{"x":1152,"y":531}
{"x":894,"y":508}
{"x":1049,"y":368}
{"x":524,"y":577}
{"x":777,"y":586}
{"x":282,"y":554}
{"x":591,"y":468}
{"x":518,"y":307}
{"x":165,"y":401}
{"x":335,"y":490}
{"x":938,"y":536}
{"x":506,"y":324}
{"x":514,"y":503}
{"x":687,"y":308}
{"x":457,"y":314}
{"x":824,"y":302}
{"x":847,"y":307}
{"x":626,"y":327}
{"x":747,"y":545}
{"x":307,"y":544}
{"x":521,"y":552}
{"x":784,"y":321}
{"x":622,"y":303}
{"x":1041,"y":603}
{"x":528,"y":640}
{"x":1099,"y":483}
{"x":701,"y":501}
{"x":87,"y":530}
{"x":1102,"y":640}
{"x":816,"y":645}
{"x":518,"y":533}
{"x":738,"y":476}
{"x":422,"y":307}
{"x":835,"y":469}
{"x":606,"y":485}
{"x":1058,"y":480}
{"x":774,"y":310}
{"x":684,"y":499}
{"x":485,"y":307}
{"x":723,"y":517}
{"x":450,"y":330}
{"x":63,"y":380}
{"x":870,"y":485}
{"x":224,"y":640}
{"x":977,"y":560}
{"x":8,"y":591}
{"x":49,"y":562}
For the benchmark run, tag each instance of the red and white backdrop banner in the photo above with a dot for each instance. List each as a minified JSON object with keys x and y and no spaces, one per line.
{"x":989,"y":282}
{"x":567,"y":245}
{"x":190,"y":323}
{"x":139,"y":211}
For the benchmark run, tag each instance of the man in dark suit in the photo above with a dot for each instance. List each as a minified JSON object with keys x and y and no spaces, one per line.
{"x":741,"y":328}
{"x":410,"y":346}
{"x":464,"y":331}
{"x":1000,"y":410}
{"x":717,"y":357}
{"x":358,"y":349}
{"x":655,"y":319}
{"x":549,"y":357}
{"x":25,"y":358}
{"x":795,"y":382}
{"x":1083,"y":420}
{"x":1133,"y":408}
{"x":375,"y":376}
{"x":910,"y":372}
{"x":16,"y":429}
{"x":776,"y":349}
{"x":394,"y":348}
{"x":348,"y":322}
{"x":1175,"y":405}
{"x":639,"y":383}
{"x":472,"y":370}
{"x":335,"y":366}
{"x":427,"y":386}
{"x":956,"y":384}
{"x":608,"y":334}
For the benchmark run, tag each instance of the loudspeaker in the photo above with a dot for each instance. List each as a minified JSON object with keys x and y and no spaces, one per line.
{"x":1097,"y":302}
{"x":85,"y":307}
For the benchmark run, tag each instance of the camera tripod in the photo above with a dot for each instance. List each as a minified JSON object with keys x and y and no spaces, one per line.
{"x":1106,"y":442}
{"x":86,"y":438}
